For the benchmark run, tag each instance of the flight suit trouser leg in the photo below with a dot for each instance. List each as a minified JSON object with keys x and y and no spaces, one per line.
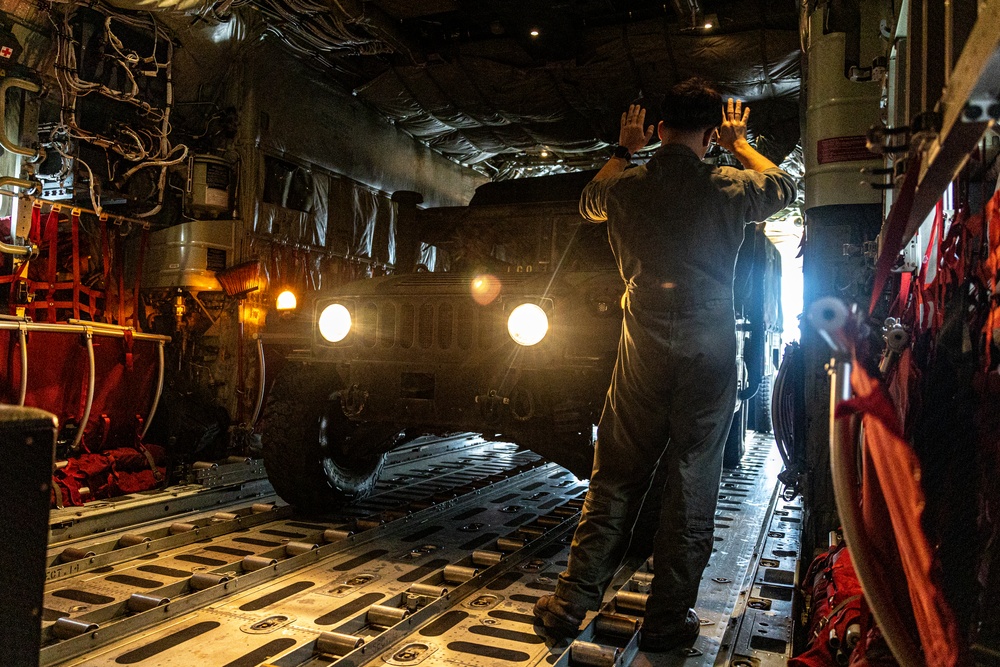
{"x":674,"y":381}
{"x":631,"y":437}
{"x":622,"y":476}
{"x":703,"y":380}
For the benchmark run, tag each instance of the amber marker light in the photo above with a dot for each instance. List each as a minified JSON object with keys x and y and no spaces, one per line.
{"x":335,"y":323}
{"x":286,"y":301}
{"x":485,"y":289}
{"x":527,"y":324}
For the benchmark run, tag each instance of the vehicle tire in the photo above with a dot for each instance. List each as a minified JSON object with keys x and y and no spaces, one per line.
{"x":762,"y":405}
{"x":316,"y":458}
{"x":735,"y":447}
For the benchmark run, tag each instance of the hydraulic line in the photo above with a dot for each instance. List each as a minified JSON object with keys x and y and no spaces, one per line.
{"x":82,"y":426}
{"x":159,"y":390}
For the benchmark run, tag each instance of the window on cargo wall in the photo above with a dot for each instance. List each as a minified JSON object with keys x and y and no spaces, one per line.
{"x":288,"y":185}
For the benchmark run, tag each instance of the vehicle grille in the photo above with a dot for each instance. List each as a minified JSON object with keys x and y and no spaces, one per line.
{"x":427,"y":326}
{"x":457,"y":282}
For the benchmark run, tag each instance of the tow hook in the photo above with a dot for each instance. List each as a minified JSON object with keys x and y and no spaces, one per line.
{"x":491,"y":405}
{"x":354,"y":400}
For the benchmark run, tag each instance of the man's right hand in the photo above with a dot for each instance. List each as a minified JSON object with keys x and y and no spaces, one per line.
{"x":733,"y":137}
{"x":734,"y":125}
{"x":632,"y":136}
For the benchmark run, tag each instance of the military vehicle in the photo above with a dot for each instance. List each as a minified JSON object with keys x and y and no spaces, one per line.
{"x":516,"y":342}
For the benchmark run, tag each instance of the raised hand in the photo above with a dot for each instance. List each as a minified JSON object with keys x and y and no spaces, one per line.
{"x":632,"y":136}
{"x":734,"y":125}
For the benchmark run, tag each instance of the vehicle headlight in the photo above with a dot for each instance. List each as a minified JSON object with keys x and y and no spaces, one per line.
{"x":335,"y":323}
{"x":286,"y":301}
{"x":527,"y":324}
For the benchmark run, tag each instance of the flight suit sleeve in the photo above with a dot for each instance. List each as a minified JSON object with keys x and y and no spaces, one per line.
{"x":594,"y":200}
{"x":765,"y":193}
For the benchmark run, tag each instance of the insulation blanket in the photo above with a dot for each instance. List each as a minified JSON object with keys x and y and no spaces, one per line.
{"x":455,"y":106}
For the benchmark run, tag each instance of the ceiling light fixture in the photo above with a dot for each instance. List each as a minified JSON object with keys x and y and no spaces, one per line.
{"x":534,"y":32}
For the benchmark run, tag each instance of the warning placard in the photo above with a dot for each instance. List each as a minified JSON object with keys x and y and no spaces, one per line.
{"x":842,"y":149}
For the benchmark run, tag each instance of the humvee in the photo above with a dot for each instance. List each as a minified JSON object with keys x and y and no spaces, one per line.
{"x":516,"y":342}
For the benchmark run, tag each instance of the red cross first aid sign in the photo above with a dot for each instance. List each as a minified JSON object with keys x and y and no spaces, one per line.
{"x":6,"y":52}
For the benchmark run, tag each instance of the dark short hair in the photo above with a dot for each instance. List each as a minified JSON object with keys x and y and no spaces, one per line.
{"x":691,"y":105}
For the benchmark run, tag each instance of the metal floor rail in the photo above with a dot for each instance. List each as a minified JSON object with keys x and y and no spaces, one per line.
{"x":211,"y":485}
{"x":440,"y":567}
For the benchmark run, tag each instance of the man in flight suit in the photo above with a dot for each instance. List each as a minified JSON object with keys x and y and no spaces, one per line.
{"x":675,"y":226}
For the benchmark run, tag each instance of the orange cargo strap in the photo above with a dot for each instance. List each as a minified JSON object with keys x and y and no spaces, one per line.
{"x":896,"y":471}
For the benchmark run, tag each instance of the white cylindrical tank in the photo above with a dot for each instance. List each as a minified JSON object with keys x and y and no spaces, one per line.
{"x":839,"y":113}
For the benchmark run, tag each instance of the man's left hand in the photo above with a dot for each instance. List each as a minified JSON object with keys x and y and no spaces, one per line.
{"x":632,"y":136}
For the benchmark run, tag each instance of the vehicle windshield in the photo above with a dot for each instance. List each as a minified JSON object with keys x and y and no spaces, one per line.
{"x":523,"y":244}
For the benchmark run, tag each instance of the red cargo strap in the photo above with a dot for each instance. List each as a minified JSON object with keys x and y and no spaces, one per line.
{"x":935,"y":233}
{"x":12,"y":279}
{"x":143,"y":242}
{"x":120,"y":253}
{"x":105,"y":252}
{"x":75,"y":224}
{"x":127,"y":343}
{"x":60,"y":503}
{"x":51,"y":241}
{"x":989,"y":269}
{"x":903,"y":298}
{"x":139,"y":422}
{"x":49,"y":290}
{"x":895,"y":226}
{"x":952,"y":248}
{"x":930,"y":315}
{"x":104,"y":422}
{"x":35,"y":231}
{"x":34,"y":236}
{"x":157,"y":475}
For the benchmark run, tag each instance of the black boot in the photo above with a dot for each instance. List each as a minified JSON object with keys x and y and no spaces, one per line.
{"x":664,"y":638}
{"x":558,"y":615}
